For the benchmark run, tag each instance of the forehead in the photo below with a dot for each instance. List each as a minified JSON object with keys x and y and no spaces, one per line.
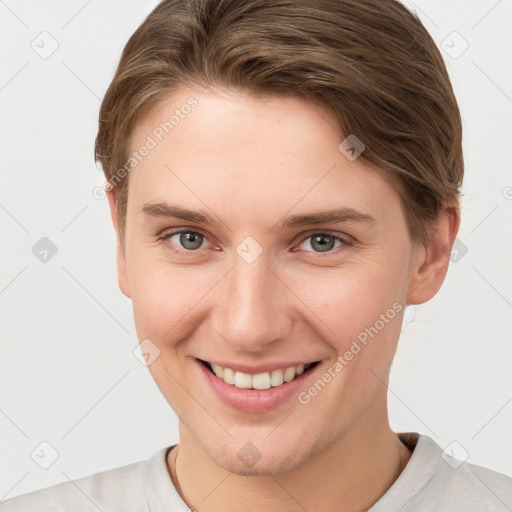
{"x":250,"y":153}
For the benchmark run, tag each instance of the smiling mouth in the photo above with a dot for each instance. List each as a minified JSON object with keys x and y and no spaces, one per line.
{"x":259,"y":381}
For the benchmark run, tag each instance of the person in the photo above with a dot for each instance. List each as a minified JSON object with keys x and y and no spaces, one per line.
{"x":283,"y":179}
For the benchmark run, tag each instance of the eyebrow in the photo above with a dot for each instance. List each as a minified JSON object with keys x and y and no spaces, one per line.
{"x":320,"y":217}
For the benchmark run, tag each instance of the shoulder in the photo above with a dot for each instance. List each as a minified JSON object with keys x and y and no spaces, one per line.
{"x":466,"y":486}
{"x":434,"y":480}
{"x":116,"y":489}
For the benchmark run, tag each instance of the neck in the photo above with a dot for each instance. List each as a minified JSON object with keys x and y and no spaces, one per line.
{"x":350,"y":474}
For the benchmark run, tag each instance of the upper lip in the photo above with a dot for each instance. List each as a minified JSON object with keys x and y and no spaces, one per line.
{"x":258,"y":368}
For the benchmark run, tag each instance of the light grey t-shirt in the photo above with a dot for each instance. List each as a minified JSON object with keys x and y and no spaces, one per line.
{"x":431,"y":481}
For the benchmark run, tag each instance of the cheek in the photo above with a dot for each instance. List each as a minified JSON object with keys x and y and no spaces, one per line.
{"x":166,"y":298}
{"x":359,"y":309}
{"x":364,"y":314}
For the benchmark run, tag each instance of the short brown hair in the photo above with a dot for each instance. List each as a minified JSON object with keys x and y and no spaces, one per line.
{"x":371,"y":62}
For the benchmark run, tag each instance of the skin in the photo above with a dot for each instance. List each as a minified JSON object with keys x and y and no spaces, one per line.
{"x":250,"y":162}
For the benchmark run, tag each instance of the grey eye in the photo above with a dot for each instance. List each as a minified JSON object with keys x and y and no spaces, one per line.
{"x":321,"y":242}
{"x":190,"y":240}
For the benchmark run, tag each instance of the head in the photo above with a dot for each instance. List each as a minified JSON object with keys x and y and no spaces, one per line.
{"x":236,"y":122}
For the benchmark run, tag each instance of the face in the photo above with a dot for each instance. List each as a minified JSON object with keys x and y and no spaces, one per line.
{"x":256,"y":283}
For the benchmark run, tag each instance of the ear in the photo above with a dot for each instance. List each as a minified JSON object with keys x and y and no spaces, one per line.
{"x":122,"y":275}
{"x":430,"y":260}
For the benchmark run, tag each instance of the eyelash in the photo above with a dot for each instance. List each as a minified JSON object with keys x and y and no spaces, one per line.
{"x":166,"y":236}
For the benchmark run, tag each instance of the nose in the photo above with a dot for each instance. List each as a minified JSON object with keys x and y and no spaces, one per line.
{"x":253,"y":309}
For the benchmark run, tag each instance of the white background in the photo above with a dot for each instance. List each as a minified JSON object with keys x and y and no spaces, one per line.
{"x":68,"y":375}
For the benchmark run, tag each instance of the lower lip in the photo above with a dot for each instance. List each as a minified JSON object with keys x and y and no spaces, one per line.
{"x":255,"y":400}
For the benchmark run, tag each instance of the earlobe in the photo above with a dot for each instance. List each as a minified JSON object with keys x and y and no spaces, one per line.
{"x":122,"y":274}
{"x":431,"y":261}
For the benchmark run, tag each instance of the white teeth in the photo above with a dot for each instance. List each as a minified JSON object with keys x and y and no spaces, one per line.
{"x":218,"y":370}
{"x":289,"y":374}
{"x":276,"y":377}
{"x":261,"y":381}
{"x":229,"y":376}
{"x":243,"y":380}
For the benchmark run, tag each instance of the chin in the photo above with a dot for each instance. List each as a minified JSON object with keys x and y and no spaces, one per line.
{"x":266,"y":466}
{"x":265,"y":458}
